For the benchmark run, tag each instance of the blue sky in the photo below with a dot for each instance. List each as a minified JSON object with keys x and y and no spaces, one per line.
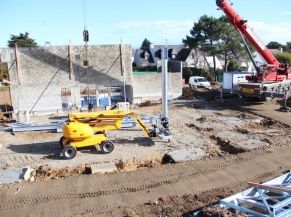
{"x":61,"y":21}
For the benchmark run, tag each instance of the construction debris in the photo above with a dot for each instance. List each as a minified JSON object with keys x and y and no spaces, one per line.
{"x":10,"y":175}
{"x":184,"y":155}
{"x":28,"y":174}
{"x":21,"y":126}
{"x":219,"y":212}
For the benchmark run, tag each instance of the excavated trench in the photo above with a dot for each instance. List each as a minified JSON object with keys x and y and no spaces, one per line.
{"x":226,"y":146}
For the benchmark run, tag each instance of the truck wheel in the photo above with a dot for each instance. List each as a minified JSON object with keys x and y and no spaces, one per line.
{"x":69,"y":152}
{"x":106,"y":147}
{"x":62,"y":141}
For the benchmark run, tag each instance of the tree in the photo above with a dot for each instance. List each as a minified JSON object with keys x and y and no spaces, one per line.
{"x":288,"y":46}
{"x":22,"y":40}
{"x":274,"y":45}
{"x":233,"y":66}
{"x":229,"y":43}
{"x":146,"y":44}
{"x":205,"y":35}
{"x":284,"y":57}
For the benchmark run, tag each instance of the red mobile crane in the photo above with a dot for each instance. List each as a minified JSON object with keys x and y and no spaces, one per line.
{"x":271,"y":79}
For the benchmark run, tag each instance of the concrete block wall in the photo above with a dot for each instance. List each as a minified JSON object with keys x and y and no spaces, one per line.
{"x":44,"y":71}
{"x":149,"y":86}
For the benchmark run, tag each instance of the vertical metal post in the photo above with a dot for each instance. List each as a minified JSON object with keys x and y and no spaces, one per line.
{"x":109,"y":96}
{"x":165,"y":80}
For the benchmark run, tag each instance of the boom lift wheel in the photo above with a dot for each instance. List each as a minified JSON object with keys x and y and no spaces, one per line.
{"x":106,"y":147}
{"x":69,"y":152}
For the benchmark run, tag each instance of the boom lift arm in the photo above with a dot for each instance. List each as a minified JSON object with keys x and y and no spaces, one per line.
{"x":240,"y":24}
{"x":88,"y":129}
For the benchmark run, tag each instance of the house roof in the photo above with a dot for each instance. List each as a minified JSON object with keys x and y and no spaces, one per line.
{"x":156,"y":51}
{"x":140,"y":54}
{"x":183,"y":54}
{"x":175,"y":52}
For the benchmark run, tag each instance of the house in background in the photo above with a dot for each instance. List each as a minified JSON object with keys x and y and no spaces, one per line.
{"x":176,"y":53}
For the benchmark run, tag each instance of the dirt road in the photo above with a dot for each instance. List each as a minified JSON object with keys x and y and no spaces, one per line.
{"x":110,"y":194}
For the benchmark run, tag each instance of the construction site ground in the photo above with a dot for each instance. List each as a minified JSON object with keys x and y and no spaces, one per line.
{"x":238,"y":147}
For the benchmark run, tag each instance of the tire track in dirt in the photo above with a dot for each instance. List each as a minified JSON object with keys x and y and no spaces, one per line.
{"x":201,"y":168}
{"x":252,"y":166}
{"x":105,"y":209}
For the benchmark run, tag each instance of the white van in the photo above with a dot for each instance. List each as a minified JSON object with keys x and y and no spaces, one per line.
{"x":198,"y":81}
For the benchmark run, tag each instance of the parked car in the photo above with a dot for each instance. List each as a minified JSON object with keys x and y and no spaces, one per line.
{"x":198,"y":81}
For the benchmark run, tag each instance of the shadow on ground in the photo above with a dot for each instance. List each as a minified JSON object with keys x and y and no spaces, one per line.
{"x":141,"y":141}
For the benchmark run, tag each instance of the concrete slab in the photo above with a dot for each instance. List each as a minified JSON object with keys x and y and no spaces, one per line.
{"x":252,"y":144}
{"x":184,"y":155}
{"x":102,"y":168}
{"x":10,"y":175}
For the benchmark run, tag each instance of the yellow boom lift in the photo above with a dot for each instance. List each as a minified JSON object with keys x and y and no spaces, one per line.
{"x":88,"y":129}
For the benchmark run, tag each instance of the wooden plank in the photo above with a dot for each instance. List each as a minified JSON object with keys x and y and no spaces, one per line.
{"x":69,"y":62}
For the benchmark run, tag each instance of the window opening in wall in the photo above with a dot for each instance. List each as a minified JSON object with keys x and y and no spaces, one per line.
{"x":116,"y":96}
{"x":66,"y":98}
{"x":88,"y":95}
{"x":85,"y":63}
{"x":77,"y":57}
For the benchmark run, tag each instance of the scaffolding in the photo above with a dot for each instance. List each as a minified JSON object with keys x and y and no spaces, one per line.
{"x":270,"y":199}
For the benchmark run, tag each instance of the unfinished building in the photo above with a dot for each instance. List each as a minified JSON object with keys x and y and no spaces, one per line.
{"x":49,"y":79}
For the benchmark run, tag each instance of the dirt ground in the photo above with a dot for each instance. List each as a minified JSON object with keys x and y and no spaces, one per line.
{"x":239,"y":147}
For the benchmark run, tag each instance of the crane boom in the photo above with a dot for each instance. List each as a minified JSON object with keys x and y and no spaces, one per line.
{"x":240,"y":24}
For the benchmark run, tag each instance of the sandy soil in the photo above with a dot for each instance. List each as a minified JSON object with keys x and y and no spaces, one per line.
{"x":214,"y":130}
{"x":240,"y":147}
